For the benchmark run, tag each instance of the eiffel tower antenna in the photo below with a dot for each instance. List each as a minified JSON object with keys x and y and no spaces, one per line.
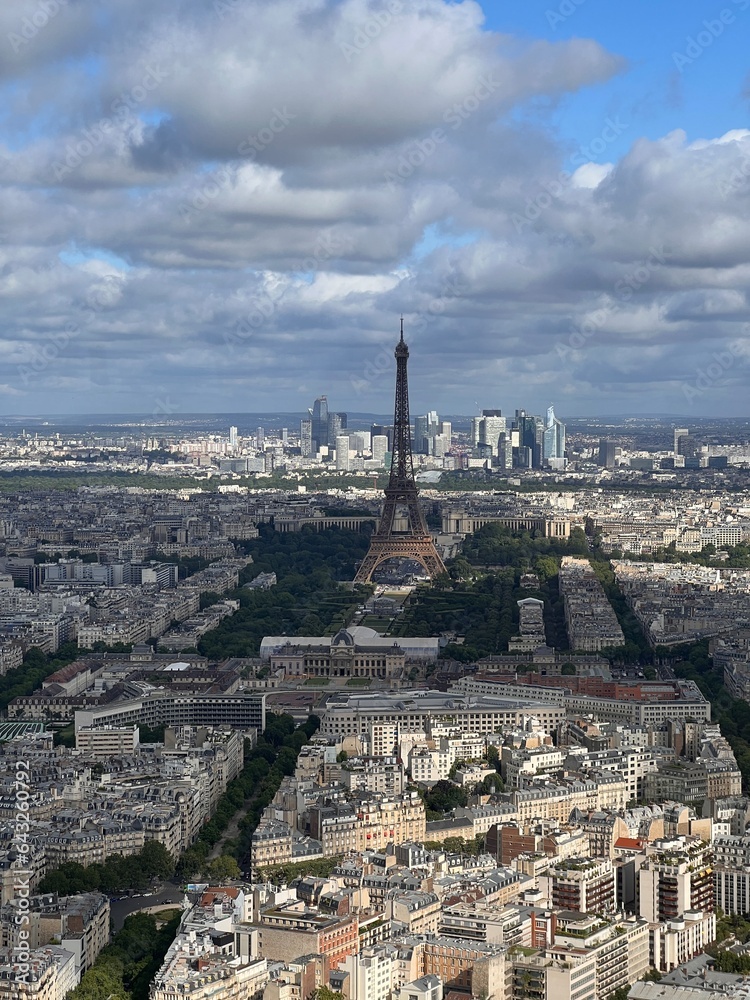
{"x":415,"y":542}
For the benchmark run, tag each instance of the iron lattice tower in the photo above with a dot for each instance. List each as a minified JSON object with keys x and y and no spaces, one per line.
{"x":415,"y":542}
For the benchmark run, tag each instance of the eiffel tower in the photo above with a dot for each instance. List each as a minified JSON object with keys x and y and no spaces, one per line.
{"x":415,"y":542}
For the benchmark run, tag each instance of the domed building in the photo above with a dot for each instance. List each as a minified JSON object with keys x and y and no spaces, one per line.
{"x":354,"y":652}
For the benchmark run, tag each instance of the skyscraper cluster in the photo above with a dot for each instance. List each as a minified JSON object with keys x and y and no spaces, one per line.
{"x":432,"y":436}
{"x":523,"y":442}
{"x":321,"y":428}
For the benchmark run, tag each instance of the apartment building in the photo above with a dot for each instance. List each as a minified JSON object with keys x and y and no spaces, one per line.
{"x":581,"y":885}
{"x":242,"y":710}
{"x":370,"y":973}
{"x":368,"y":823}
{"x":104,"y":741}
{"x":681,"y":938}
{"x":285,"y":932}
{"x":590,"y":620}
{"x":413,"y":711}
{"x":676,"y":876}
{"x":49,"y":974}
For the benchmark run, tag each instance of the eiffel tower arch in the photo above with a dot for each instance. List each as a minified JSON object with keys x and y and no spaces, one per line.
{"x":415,"y":541}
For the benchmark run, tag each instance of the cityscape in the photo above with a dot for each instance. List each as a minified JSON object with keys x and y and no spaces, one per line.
{"x":465,"y":720}
{"x":374,"y":500}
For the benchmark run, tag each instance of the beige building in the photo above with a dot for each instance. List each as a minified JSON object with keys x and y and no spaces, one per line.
{"x":417,"y":912}
{"x":546,"y":978}
{"x":556,"y":801}
{"x":342,"y":660}
{"x":368,"y":824}
{"x":678,"y":940}
{"x":107,"y":741}
{"x":209,"y":977}
{"x":49,"y":974}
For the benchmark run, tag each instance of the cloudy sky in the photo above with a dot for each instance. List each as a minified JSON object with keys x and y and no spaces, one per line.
{"x":226,"y":205}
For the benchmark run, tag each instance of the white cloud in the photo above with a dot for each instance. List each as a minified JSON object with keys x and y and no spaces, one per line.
{"x":265,"y":175}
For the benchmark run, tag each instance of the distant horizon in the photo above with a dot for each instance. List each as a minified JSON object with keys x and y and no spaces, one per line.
{"x":161,"y":420}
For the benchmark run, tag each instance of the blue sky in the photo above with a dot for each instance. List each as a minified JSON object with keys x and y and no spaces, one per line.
{"x":704,"y":96}
{"x":282,"y":181}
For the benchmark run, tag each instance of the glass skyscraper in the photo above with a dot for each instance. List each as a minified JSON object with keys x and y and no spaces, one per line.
{"x":554,"y":438}
{"x":319,"y":423}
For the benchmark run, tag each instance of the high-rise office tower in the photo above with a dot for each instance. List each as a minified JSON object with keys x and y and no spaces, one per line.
{"x":261,"y":437}
{"x":476,"y":431}
{"x":505,"y":450}
{"x":421,"y":443}
{"x":336,"y":424}
{"x":530,"y":428}
{"x":360,"y":442}
{"x":681,"y":441}
{"x":606,"y":453}
{"x":319,"y":414}
{"x":492,"y":426}
{"x":554,"y":440}
{"x":284,"y":436}
{"x":485,"y":433}
{"x":232,"y":437}
{"x":425,"y":429}
{"x":440,"y":445}
{"x":342,"y":452}
{"x":379,"y":448}
{"x":305,"y":437}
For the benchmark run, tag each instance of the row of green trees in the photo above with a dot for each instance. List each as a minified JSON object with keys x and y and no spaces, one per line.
{"x":694,"y":662}
{"x":479,"y":596}
{"x":308,"y":598}
{"x":114,"y":875}
{"x":458,"y":845}
{"x":250,"y":792}
{"x":125,"y":968}
{"x":497,"y":545}
{"x":636,"y":648}
{"x":484,"y":611}
{"x":66,"y":481}
{"x":35,"y":668}
{"x":288,"y":872}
